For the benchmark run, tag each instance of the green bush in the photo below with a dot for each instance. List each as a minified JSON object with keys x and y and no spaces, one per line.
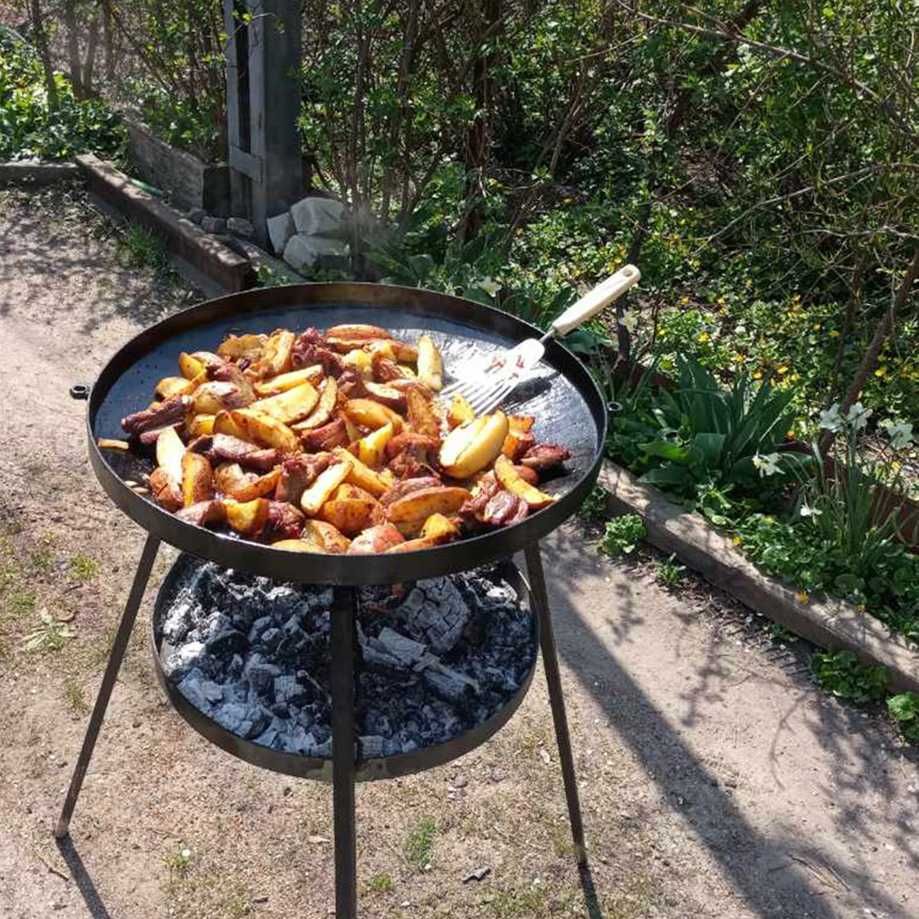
{"x":30,"y":128}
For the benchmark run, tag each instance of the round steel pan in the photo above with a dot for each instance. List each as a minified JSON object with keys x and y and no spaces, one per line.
{"x":309,"y":767}
{"x":568,"y":406}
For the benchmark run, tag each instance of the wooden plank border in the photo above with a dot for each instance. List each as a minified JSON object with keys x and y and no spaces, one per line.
{"x":831,"y":624}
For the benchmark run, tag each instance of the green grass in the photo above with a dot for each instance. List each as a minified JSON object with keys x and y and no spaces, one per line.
{"x":142,"y":249}
{"x":381,"y":883}
{"x":419,"y":844}
{"x":49,"y":636}
{"x":668,"y":572}
{"x":509,"y":904}
{"x":75,"y":697}
{"x":83,"y":567}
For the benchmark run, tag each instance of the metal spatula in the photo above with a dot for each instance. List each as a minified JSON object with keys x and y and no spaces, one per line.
{"x":486,"y":383}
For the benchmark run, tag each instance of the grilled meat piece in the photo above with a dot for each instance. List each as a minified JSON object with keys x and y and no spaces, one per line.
{"x":385,"y":370}
{"x":407,"y":466}
{"x":486,"y":489}
{"x":232,"y":373}
{"x":284,"y":522}
{"x":225,"y":448}
{"x":530,"y":476}
{"x":298,"y":473}
{"x":376,"y":539}
{"x":160,"y":415}
{"x":149,"y":438}
{"x":310,"y":348}
{"x":351,"y":385}
{"x":545,"y":456}
{"x":503,"y":509}
{"x":331,"y":435}
{"x":203,"y":513}
{"x":419,"y":445}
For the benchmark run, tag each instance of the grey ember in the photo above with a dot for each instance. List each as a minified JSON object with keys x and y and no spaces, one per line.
{"x":436,"y":658}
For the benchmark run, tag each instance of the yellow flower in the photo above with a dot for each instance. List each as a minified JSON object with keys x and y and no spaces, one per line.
{"x":703,"y":337}
{"x":834,"y":333}
{"x":803,"y":597}
{"x":736,"y":541}
{"x":684,"y":300}
{"x":782,"y":369}
{"x":757,"y":374}
{"x":815,"y":326}
{"x":896,"y":465}
{"x":881,"y":372}
{"x":794,"y":377}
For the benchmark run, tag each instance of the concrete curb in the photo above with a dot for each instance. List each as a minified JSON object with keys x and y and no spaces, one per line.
{"x":24,"y":173}
{"x":831,"y":624}
{"x":184,"y":239}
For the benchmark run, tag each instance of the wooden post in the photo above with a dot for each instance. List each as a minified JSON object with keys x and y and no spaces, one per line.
{"x":263,"y":103}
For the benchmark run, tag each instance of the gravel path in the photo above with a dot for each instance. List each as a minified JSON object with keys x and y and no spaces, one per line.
{"x":717,"y":782}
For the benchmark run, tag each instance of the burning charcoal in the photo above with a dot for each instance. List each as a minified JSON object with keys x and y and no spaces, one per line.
{"x":261,"y":674}
{"x":182,"y":660}
{"x":288,"y":691}
{"x":406,"y":651}
{"x":258,"y":628}
{"x":212,"y":691}
{"x":226,"y":643}
{"x":235,"y":668}
{"x":192,"y":687}
{"x":435,"y":612}
{"x":243,"y":720}
{"x":449,"y":685}
{"x":271,"y":638}
{"x":301,"y":741}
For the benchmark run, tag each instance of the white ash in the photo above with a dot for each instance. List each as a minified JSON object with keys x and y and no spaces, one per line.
{"x":436,"y":658}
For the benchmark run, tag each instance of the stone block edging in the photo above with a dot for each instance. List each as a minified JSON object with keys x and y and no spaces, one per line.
{"x":32,"y":173}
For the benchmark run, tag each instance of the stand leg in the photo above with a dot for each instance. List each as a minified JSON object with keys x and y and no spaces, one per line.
{"x":151,"y":546}
{"x":556,"y":699}
{"x":341,"y":680}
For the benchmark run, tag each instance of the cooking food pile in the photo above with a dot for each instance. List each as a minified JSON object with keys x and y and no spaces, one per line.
{"x":334,"y":442}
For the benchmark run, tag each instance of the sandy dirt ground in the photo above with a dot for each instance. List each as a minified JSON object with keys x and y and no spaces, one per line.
{"x":716,"y":780}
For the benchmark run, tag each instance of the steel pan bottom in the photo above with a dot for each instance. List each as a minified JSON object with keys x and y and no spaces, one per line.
{"x":320,"y":769}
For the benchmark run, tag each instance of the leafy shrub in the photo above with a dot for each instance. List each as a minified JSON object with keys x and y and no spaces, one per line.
{"x":622,"y":535}
{"x":904,"y":709}
{"x":30,"y":128}
{"x":842,"y":674}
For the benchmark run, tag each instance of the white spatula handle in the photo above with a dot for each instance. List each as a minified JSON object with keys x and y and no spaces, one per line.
{"x":595,"y":300}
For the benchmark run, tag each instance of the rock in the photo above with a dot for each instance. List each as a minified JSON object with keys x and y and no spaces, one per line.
{"x":280,"y":229}
{"x":214,"y":225}
{"x":319,"y":217}
{"x":305,"y":252}
{"x":239,"y":226}
{"x":196,"y":215}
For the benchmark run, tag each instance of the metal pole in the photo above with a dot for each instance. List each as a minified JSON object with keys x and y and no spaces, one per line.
{"x":556,"y":699}
{"x":119,"y":646}
{"x":341,"y":680}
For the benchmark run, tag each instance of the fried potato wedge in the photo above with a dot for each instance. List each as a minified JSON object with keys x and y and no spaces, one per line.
{"x":371,"y":449}
{"x":249,"y":346}
{"x":262,"y":428}
{"x":360,"y":361}
{"x":522,"y":423}
{"x":177,"y":386}
{"x":233,"y":480}
{"x":217,"y":396}
{"x":516,"y":444}
{"x":166,"y":491}
{"x":224,"y":424}
{"x":430,"y":364}
{"x":508,"y":476}
{"x":362,"y":475}
{"x":370,"y":414}
{"x":275,"y":355}
{"x":284,"y":381}
{"x":200,"y":425}
{"x":197,"y":478}
{"x":328,"y":537}
{"x":361,"y":331}
{"x":460,"y":411}
{"x":191,"y":366}
{"x":322,"y":413}
{"x":325,"y":484}
{"x":247,"y":517}
{"x":376,"y":539}
{"x":440,"y":529}
{"x":473,"y":446}
{"x":410,"y":512}
{"x":291,"y":405}
{"x":169,"y":453}
{"x":421,"y":416}
{"x":349,"y":510}
{"x":413,"y":545}
{"x":297,"y":545}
